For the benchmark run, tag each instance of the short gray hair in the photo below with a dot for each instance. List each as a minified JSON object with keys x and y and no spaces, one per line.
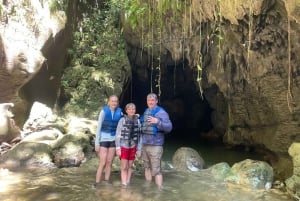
{"x":152,"y":95}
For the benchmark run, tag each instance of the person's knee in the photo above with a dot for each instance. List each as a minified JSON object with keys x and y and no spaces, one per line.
{"x":109,"y":160}
{"x":109,"y":163}
{"x":101,"y":166}
{"x":124,"y":167}
{"x":157,"y":174}
{"x":155,"y":171}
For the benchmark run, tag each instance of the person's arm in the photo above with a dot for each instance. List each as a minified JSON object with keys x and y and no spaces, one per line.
{"x":140,"y":137}
{"x":118,"y":133}
{"x":98,"y":131}
{"x":164,"y":123}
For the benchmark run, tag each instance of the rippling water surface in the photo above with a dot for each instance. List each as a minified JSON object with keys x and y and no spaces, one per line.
{"x":70,"y":184}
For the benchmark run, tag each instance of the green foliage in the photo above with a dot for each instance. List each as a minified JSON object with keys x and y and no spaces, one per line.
{"x":152,"y":11}
{"x":97,"y":33}
{"x":85,"y":90}
{"x":97,"y":53}
{"x":56,"y":5}
{"x":148,"y":19}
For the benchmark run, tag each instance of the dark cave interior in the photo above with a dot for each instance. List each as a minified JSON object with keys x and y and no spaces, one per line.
{"x":189,"y":112}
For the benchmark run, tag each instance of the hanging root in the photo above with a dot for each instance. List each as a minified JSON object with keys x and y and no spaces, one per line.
{"x":289,"y":98}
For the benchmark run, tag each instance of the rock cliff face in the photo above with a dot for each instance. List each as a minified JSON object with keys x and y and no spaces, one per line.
{"x":35,"y":37}
{"x":246,"y":55}
{"x":33,"y":40}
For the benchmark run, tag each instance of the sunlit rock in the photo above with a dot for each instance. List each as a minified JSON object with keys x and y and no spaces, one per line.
{"x":30,"y":34}
{"x":81,"y":125}
{"x":8,"y":180}
{"x":27,"y":154}
{"x":39,"y":116}
{"x":49,"y":136}
{"x":70,"y":150}
{"x":39,"y":113}
{"x":8,"y":128}
{"x":19,"y":64}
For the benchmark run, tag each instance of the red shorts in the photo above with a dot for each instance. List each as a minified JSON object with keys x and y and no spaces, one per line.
{"x":128,"y":153}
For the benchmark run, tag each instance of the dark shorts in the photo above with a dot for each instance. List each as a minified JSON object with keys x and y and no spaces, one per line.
{"x":108,"y":144}
{"x":128,"y":153}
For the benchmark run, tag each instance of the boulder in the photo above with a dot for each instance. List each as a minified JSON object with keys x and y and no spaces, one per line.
{"x":188,"y":160}
{"x":40,"y":114}
{"x":50,"y":137}
{"x":27,"y":154}
{"x":293,"y":182}
{"x":251,"y":173}
{"x":220,"y":170}
{"x":70,"y":150}
{"x":8,"y":129}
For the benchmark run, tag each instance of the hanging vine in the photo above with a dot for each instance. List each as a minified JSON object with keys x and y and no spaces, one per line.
{"x":183,"y":36}
{"x":152,"y":48}
{"x":219,"y":34}
{"x":289,"y":95}
{"x":158,"y":12}
{"x":250,"y":25}
{"x":160,"y":27}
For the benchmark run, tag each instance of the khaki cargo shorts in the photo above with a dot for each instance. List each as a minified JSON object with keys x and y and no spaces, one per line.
{"x":151,"y":156}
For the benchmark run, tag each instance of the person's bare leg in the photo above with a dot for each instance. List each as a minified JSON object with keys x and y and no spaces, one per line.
{"x":159,"y":180}
{"x":124,"y":171}
{"x":148,"y":175}
{"x":102,"y":160}
{"x":109,"y":159}
{"x":129,"y":171}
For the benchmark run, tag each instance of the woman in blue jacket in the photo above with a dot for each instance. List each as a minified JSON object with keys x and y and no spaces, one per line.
{"x":105,"y":137}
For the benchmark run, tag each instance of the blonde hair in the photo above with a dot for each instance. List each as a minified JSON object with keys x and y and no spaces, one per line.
{"x":112,"y":96}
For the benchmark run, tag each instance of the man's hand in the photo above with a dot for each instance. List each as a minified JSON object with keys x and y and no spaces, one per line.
{"x":152,"y":120}
{"x":138,"y":154}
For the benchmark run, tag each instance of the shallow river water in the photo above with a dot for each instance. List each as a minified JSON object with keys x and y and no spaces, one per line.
{"x":70,"y":184}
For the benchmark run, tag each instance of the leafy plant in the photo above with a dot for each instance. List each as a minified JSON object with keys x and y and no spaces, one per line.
{"x":98,"y":51}
{"x":56,"y":5}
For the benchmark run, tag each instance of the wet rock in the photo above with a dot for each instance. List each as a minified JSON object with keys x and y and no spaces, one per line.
{"x":220,"y":170}
{"x":69,"y":151}
{"x":187,"y":159}
{"x":251,"y":173}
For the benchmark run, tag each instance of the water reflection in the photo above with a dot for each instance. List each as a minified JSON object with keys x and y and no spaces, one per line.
{"x":211,"y":152}
{"x":73,"y":184}
{"x":77,"y":184}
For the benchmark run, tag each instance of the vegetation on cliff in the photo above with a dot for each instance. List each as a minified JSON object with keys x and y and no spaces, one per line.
{"x":99,"y":65}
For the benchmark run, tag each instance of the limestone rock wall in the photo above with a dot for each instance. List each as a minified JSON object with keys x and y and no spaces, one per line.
{"x":33,"y":39}
{"x":247,"y":50}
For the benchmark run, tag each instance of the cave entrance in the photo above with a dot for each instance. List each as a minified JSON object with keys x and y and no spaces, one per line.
{"x":189,"y":111}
